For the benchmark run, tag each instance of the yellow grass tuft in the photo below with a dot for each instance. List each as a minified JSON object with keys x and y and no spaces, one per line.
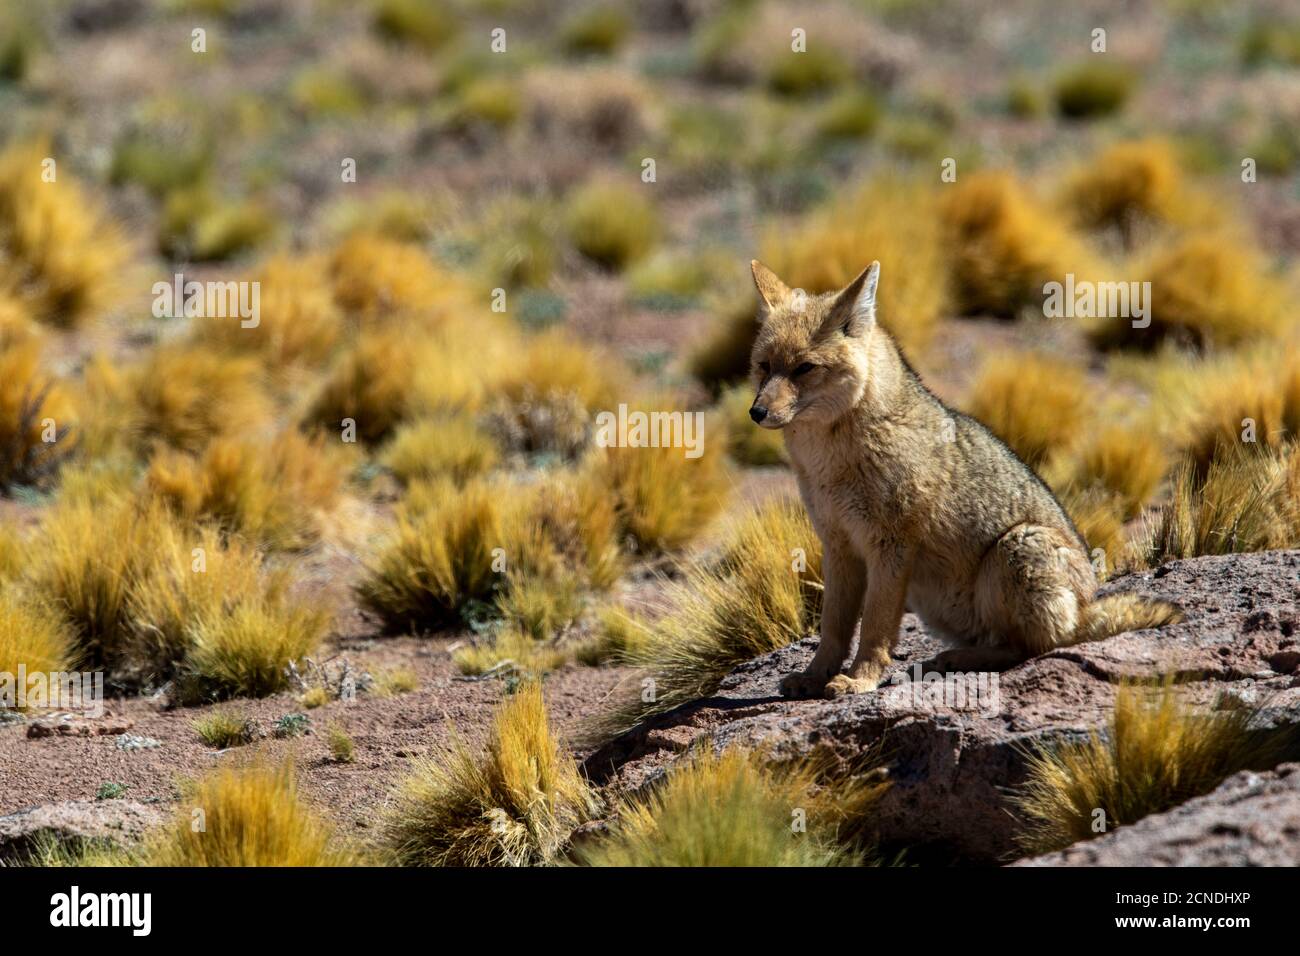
{"x":514,"y":804}
{"x":1124,"y":186}
{"x":1208,"y":289}
{"x":439,"y":557}
{"x":37,"y":418}
{"x":342,"y":749}
{"x":1245,"y":500}
{"x":224,"y":729}
{"x":761,"y":593}
{"x":251,"y":816}
{"x":894,"y":221}
{"x":1124,"y":461}
{"x":1155,"y":753}
{"x":612,"y":224}
{"x":541,"y":607}
{"x":430,"y":448}
{"x":1004,"y":245}
{"x":510,"y":647}
{"x":1240,"y":404}
{"x":1034,"y":403}
{"x":549,"y":391}
{"x":275,"y":493}
{"x":32,"y":636}
{"x":395,"y":681}
{"x":58,"y":253}
{"x":737,"y":809}
{"x":376,"y":278}
{"x":91,"y":554}
{"x":665,"y":500}
{"x":185,"y":396}
{"x":245,"y":651}
{"x":298,"y":318}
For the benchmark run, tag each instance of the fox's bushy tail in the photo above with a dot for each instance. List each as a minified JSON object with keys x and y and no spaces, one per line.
{"x":1113,"y":614}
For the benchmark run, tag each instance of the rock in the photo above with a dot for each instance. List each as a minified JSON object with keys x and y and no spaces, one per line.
{"x":129,"y":742}
{"x":69,"y":726}
{"x":116,"y":821}
{"x":953,"y":756}
{"x":1252,"y":819}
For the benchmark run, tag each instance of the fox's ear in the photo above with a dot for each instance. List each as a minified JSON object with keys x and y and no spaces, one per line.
{"x":773,"y":291}
{"x":854,"y":310}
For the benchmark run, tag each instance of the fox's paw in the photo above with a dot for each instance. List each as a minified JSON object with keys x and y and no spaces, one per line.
{"x":841,"y":685}
{"x":801,"y":686}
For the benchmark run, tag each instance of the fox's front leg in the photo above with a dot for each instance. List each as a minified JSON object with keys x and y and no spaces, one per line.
{"x":882,"y":615}
{"x":844,"y":577}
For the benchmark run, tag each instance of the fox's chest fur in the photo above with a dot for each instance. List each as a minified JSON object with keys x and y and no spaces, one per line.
{"x":863,"y":484}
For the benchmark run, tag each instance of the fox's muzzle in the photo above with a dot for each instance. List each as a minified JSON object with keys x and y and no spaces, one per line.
{"x":757,"y":412}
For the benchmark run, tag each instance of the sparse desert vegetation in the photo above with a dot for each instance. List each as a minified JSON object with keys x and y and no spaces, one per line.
{"x":451,"y":416}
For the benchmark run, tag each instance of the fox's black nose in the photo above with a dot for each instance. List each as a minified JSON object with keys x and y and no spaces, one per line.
{"x":758,"y":413}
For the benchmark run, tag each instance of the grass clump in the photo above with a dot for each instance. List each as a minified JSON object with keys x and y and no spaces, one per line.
{"x":665,"y":500}
{"x":1245,"y":501}
{"x":812,"y":72}
{"x":1155,"y":753}
{"x":428,"y":24}
{"x":514,"y":804}
{"x":201,"y":225}
{"x":1207,"y":290}
{"x":274,"y":493}
{"x":249,"y":816}
{"x":341,"y":747}
{"x":612,"y":224}
{"x":595,"y":30}
{"x":376,"y":278}
{"x":761,"y":593}
{"x":91,"y":556}
{"x":737,"y":809}
{"x":59,"y":255}
{"x":548,"y":394}
{"x":185,"y":396}
{"x":37,"y":419}
{"x":246,"y":651}
{"x":224,"y":729}
{"x":33,"y":637}
{"x":513,"y":649}
{"x":395,"y":681}
{"x":314,"y":697}
{"x":1125,"y":461}
{"x":1092,"y":89}
{"x":1126,"y":185}
{"x":298,"y":318}
{"x":1005,"y":246}
{"x":894,"y":221}
{"x":1033,"y":403}
{"x":440,"y":556}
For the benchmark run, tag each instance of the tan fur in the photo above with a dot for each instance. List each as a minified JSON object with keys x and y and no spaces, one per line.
{"x":917,"y":506}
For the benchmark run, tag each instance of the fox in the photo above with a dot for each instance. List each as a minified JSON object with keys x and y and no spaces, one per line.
{"x":917,"y":506}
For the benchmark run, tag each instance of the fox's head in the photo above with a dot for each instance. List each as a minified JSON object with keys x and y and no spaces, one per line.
{"x":810,"y":358}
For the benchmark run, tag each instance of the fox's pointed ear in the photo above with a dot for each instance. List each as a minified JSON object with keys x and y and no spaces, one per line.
{"x":854,"y":310}
{"x":773,"y":291}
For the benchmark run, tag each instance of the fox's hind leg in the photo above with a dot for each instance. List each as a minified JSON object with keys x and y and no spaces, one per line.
{"x":1031,"y":588}
{"x":845,"y":580}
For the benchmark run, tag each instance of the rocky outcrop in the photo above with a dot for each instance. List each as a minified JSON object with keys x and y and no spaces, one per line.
{"x":955,"y":747}
{"x":1252,"y":819}
{"x":118,"y":822}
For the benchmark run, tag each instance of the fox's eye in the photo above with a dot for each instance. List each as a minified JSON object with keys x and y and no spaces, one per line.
{"x":765,"y":366}
{"x":803,"y":369}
